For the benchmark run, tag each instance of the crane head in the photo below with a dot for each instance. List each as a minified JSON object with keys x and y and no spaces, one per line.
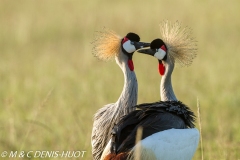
{"x":107,"y":44}
{"x":130,"y":43}
{"x":157,"y":49}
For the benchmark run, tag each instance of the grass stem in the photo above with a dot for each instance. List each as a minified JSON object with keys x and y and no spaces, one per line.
{"x":200,"y":126}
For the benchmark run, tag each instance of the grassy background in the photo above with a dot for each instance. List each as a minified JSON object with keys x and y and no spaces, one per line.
{"x":51,"y":85}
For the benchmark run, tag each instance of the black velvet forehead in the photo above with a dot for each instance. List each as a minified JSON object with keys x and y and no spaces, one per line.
{"x":156,"y":43}
{"x":133,"y":37}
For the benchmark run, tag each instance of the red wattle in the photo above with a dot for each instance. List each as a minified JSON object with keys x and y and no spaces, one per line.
{"x":124,"y":40}
{"x":164,"y":48}
{"x":130,"y":65}
{"x":161,"y":69}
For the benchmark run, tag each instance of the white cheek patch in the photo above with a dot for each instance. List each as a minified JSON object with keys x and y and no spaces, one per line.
{"x":160,"y":54}
{"x":129,"y":47}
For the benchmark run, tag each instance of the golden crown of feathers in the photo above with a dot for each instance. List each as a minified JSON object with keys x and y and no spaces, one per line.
{"x":106,"y":44}
{"x":181,"y":46}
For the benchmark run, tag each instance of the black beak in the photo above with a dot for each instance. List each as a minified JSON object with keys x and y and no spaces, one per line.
{"x":147,"y":51}
{"x":139,"y":45}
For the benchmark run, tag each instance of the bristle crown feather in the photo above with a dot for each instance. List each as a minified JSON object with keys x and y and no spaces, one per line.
{"x":181,"y":46}
{"x":106,"y":44}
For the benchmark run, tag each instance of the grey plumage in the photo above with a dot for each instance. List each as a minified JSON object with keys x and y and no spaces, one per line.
{"x":166,"y":89}
{"x":106,"y":117}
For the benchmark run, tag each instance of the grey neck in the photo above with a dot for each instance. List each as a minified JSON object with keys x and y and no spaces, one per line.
{"x":128,"y":97}
{"x":166,"y":90}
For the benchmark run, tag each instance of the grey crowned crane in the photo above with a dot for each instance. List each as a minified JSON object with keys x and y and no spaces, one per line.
{"x":168,"y":131}
{"x":108,"y":45}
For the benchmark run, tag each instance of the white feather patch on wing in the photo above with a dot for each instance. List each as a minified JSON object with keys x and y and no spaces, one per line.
{"x":172,"y":144}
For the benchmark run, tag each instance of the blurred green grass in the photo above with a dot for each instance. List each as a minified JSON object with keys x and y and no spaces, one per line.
{"x":51,"y":85}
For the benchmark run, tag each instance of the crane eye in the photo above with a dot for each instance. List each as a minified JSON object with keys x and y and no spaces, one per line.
{"x":132,"y":43}
{"x":157,"y":50}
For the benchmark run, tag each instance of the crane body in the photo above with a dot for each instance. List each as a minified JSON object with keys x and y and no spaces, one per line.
{"x":168,"y":131}
{"x":109,"y":45}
